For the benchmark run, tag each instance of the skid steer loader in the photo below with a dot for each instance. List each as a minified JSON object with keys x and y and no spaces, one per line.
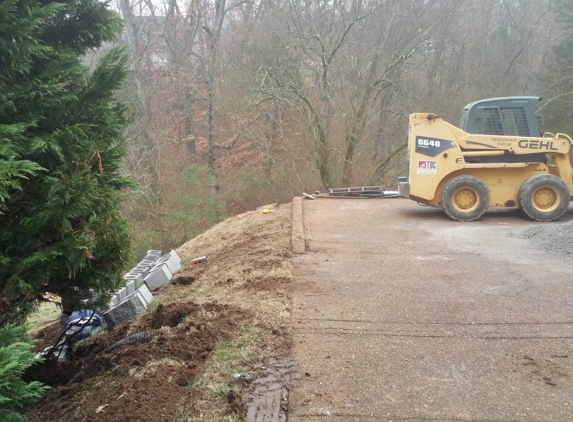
{"x":499,"y":157}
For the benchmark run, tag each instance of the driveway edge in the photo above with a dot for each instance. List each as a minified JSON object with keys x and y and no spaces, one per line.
{"x":297,"y":225}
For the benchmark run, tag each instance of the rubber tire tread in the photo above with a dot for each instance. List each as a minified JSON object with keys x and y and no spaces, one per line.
{"x":528,"y":187}
{"x":456,"y":183}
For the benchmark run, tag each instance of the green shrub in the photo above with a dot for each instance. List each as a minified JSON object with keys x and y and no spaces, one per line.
{"x":15,"y":357}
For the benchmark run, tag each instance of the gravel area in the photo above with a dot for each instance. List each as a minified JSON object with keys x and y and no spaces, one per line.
{"x":551,"y":237}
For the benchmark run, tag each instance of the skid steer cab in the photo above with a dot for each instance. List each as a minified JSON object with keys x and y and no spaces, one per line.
{"x":500,"y":157}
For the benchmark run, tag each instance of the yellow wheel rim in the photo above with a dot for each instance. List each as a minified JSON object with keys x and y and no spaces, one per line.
{"x":465,"y":199}
{"x":545,"y":199}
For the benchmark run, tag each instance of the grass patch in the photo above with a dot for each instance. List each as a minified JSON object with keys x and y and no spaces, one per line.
{"x":199,"y":383}
{"x":219,"y":391}
{"x":152,"y":307}
{"x":47,"y":311}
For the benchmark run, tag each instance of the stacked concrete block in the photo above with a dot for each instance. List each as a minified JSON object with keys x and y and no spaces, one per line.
{"x":158,"y":277}
{"x":126,"y":309}
{"x":145,"y":293}
{"x":171,"y":260}
{"x":154,"y":252}
{"x":153,"y":270}
{"x":131,"y":300}
{"x":130,"y":287}
{"x":165,"y":267}
{"x":121,"y":293}
{"x":141,"y":269}
{"x":136,"y":277}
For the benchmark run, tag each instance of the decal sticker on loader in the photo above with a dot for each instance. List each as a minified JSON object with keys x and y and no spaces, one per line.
{"x":432,"y":146}
{"x":427,"y":166}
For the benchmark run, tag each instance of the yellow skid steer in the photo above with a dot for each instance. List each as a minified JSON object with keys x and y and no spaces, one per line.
{"x":500,"y":157}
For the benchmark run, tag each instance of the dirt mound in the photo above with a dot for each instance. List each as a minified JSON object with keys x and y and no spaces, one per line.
{"x":197,"y":315}
{"x":187,"y":333}
{"x":183,"y":281}
{"x":178,"y":360}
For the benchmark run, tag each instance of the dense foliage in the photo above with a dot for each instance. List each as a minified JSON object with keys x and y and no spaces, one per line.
{"x":61,"y":145}
{"x":15,"y":357}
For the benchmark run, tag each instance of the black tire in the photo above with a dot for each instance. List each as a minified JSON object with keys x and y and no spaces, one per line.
{"x":543,"y":197}
{"x":465,"y":198}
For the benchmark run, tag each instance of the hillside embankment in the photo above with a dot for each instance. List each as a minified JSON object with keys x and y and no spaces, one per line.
{"x":216,"y":328}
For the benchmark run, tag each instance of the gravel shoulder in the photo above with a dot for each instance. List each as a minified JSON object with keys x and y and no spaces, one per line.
{"x":402,"y":314}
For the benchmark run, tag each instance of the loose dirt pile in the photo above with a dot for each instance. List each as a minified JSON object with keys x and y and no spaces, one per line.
{"x":229,"y":315}
{"x":551,"y":237}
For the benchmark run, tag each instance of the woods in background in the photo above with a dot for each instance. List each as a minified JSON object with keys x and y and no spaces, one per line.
{"x":242,"y":103}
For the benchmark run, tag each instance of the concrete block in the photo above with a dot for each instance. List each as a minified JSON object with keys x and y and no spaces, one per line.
{"x":168,"y":255}
{"x":121,"y":293}
{"x":137,"y":277}
{"x":141,"y":269}
{"x":145,"y":293}
{"x":173,"y":265}
{"x":156,"y":252}
{"x":158,"y":277}
{"x":125,"y":310}
{"x":130,"y":287}
{"x":113,"y":301}
{"x":171,"y":260}
{"x":147,"y":262}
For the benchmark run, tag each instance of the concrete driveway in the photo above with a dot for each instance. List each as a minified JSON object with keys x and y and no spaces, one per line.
{"x":403,"y":315}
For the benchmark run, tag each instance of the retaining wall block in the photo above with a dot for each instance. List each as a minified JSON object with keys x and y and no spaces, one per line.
{"x":147,"y":262}
{"x":141,"y":269}
{"x":158,"y":277}
{"x":137,"y":277}
{"x":130,"y":287}
{"x":145,"y":293}
{"x":171,"y":260}
{"x":125,"y":310}
{"x":121,"y":293}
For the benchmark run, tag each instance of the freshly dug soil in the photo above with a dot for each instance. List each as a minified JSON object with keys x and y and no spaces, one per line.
{"x":137,"y":381}
{"x":215,"y":319}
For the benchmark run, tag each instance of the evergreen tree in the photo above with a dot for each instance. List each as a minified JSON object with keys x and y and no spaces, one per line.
{"x":15,"y":357}
{"x":61,"y":145}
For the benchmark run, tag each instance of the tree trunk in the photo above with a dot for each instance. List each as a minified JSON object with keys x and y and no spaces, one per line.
{"x":136,"y":55}
{"x":189,"y":135}
{"x":211,"y":161}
